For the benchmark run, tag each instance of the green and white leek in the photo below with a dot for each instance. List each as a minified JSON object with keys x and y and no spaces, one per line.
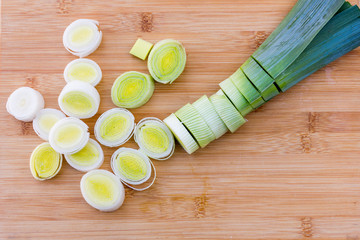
{"x":45,"y":120}
{"x":102,"y":190}
{"x":132,"y":89}
{"x":154,"y":138}
{"x":167,"y":61}
{"x":83,"y":69}
{"x":79,"y":99}
{"x":114,"y":127}
{"x":88,"y":158}
{"x":45,"y":162}
{"x":24,"y":103}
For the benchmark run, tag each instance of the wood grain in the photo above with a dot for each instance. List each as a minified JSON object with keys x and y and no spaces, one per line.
{"x":291,"y":172}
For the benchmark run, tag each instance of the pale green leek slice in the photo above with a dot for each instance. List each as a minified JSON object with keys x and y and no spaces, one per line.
{"x":88,"y":158}
{"x":83,"y":69}
{"x":114,"y":127}
{"x":45,"y":119}
{"x":79,"y":99}
{"x":181,"y":134}
{"x":197,"y":126}
{"x":45,"y":162}
{"x":228,"y":113}
{"x":102,"y":190}
{"x":257,"y":75}
{"x":154,"y":138}
{"x":133,"y":167}
{"x":211,"y":117}
{"x":141,"y":49}
{"x":235,"y":96}
{"x":166,"y":61}
{"x":132,"y":89}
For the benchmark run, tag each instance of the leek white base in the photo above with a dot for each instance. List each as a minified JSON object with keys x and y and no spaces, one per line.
{"x":45,"y":120}
{"x":83,"y":69}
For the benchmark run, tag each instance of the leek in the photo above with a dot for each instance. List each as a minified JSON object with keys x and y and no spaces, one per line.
{"x":82,"y":69}
{"x":45,"y":119}
{"x":141,"y":49}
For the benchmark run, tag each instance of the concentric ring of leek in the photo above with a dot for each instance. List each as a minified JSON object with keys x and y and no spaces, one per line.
{"x":132,"y":89}
{"x":102,"y":190}
{"x":82,"y":37}
{"x":69,"y":135}
{"x":167,"y":61}
{"x":83,"y":69}
{"x":133,"y":167}
{"x":88,"y":158}
{"x":114,"y":127}
{"x":24,"y":103}
{"x":45,"y":120}
{"x":79,"y":99}
{"x":181,"y":134}
{"x":154,"y":138}
{"x":45,"y":162}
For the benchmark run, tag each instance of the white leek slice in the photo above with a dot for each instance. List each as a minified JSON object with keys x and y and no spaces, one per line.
{"x":209,"y":114}
{"x":181,"y":134}
{"x":226,"y":110}
{"x":88,"y":158}
{"x":45,"y":120}
{"x":132,"y":89}
{"x":83,"y":69}
{"x":167,"y":61}
{"x":24,"y":103}
{"x":45,"y":162}
{"x":79,"y":99}
{"x":197,"y":126}
{"x":114,"y":127}
{"x":69,"y":135}
{"x":102,"y":190}
{"x":82,"y":37}
{"x":154,"y":138}
{"x":132,"y":166}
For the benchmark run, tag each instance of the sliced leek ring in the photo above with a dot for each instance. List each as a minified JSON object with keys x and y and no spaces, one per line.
{"x":89,"y":158}
{"x":82,"y":37}
{"x":45,"y":162}
{"x":132,"y":89}
{"x":133,"y":167}
{"x":24,"y":103}
{"x":69,"y":135}
{"x":167,"y":61}
{"x":83,"y":69}
{"x":102,"y":190}
{"x":114,"y":127}
{"x":197,"y":126}
{"x":226,"y":110}
{"x":209,"y":114}
{"x":181,"y":134}
{"x":45,"y":120}
{"x":154,"y":138}
{"x":79,"y":99}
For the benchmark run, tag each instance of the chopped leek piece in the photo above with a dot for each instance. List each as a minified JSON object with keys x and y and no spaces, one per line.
{"x":45,"y":120}
{"x":270,"y":92}
{"x":345,"y":6}
{"x":83,"y":69}
{"x":79,"y":99}
{"x":24,"y":103}
{"x":102,"y":190}
{"x":166,"y":61}
{"x":82,"y":37}
{"x":197,"y":126}
{"x":154,"y":138}
{"x":114,"y":127}
{"x":257,"y":75}
{"x":88,"y":158}
{"x":141,"y":49}
{"x":228,"y":113}
{"x":69,"y":135}
{"x":45,"y":162}
{"x":303,"y":23}
{"x":132,"y":89}
{"x":132,"y":166}
{"x":235,"y":96}
{"x":181,"y":134}
{"x":211,"y":117}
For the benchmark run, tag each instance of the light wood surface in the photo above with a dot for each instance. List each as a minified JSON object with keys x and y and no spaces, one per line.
{"x":291,"y":172}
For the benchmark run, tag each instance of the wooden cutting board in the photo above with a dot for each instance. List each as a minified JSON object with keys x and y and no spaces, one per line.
{"x":291,"y":172}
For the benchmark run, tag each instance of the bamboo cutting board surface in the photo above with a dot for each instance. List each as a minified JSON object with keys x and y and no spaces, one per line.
{"x":291,"y":172}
